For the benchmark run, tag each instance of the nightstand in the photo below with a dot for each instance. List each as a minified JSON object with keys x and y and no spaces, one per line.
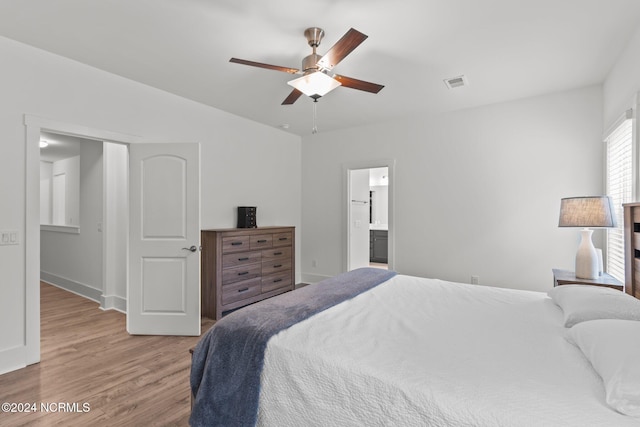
{"x":566,"y":277}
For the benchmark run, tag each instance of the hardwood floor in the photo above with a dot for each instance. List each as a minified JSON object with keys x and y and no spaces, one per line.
{"x":379,"y":265}
{"x":88,"y":358}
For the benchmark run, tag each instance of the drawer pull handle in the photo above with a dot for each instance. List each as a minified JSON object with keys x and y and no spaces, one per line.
{"x":283,"y":238}
{"x":277,"y":280}
{"x":236,"y":243}
{"x":243,"y":290}
{"x":262,"y":241}
{"x":277,"y":266}
{"x":277,"y":253}
{"x":243,"y":259}
{"x":243,"y":273}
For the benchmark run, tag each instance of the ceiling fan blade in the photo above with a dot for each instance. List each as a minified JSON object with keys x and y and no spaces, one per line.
{"x":358,"y":84}
{"x":342,"y":48}
{"x":293,"y":97}
{"x":267,"y":66}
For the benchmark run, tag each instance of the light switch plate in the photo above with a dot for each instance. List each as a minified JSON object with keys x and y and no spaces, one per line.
{"x":9,"y":237}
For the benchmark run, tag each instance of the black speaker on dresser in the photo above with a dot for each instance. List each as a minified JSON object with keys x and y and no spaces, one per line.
{"x":247,"y":217}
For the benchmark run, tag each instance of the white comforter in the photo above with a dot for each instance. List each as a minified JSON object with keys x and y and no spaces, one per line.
{"x":423,"y":352}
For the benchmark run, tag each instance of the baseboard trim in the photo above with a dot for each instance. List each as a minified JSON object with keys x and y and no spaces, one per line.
{"x":313,"y":278}
{"x":113,"y":302}
{"x":72,"y":286}
{"x":12,"y":359}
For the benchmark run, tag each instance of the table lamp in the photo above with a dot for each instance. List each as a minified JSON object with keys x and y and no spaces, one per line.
{"x":590,"y":211}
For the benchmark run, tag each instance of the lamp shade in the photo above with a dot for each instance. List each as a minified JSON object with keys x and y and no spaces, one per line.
{"x":590,"y":211}
{"x":315,"y":84}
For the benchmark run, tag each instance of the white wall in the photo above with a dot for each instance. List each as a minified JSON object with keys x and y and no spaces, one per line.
{"x":243,"y":162}
{"x":623,"y":82}
{"x":46,"y":189}
{"x":477,"y":192}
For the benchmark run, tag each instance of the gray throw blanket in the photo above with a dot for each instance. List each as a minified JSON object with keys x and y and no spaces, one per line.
{"x":228,"y":360}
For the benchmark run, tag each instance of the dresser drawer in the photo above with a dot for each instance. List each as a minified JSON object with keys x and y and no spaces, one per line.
{"x":241,"y":290}
{"x":282,"y":239}
{"x":275,"y":265}
{"x":240,"y":258}
{"x":243,"y":272}
{"x":276,"y":281}
{"x":636,"y":238}
{"x":276,"y":253}
{"x":235,"y":244}
{"x":261,"y":241}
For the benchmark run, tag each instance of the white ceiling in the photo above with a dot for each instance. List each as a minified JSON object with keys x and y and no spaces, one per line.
{"x":508,"y":49}
{"x":60,"y":146}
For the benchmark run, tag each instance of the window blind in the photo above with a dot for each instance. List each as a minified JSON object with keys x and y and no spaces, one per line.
{"x":619,"y":186}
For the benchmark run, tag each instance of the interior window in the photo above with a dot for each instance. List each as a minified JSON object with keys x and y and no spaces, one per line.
{"x":59,"y":182}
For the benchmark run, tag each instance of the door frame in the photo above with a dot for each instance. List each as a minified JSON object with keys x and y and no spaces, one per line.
{"x":346,"y":207}
{"x":34,"y":126}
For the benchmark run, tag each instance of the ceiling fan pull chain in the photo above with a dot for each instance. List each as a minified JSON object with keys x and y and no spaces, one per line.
{"x":315,"y":113}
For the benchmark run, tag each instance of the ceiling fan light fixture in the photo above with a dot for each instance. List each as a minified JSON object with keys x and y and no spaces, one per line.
{"x":315,"y":84}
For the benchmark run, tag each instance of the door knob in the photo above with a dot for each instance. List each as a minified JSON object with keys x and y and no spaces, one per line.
{"x":192,"y":249}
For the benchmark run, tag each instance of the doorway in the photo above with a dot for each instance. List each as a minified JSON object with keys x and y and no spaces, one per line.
{"x":35,"y":126}
{"x":158,"y":153}
{"x":379,"y":217}
{"x":73,"y":181}
{"x":369,"y":216}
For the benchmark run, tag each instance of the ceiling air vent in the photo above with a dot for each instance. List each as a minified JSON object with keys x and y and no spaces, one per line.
{"x":455,"y":82}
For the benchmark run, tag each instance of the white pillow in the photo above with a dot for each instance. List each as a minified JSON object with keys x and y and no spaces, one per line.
{"x":583,"y":302}
{"x":613,"y":348}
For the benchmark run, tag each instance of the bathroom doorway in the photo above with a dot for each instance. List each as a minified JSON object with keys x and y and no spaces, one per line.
{"x":379,"y":217}
{"x":369,"y":242}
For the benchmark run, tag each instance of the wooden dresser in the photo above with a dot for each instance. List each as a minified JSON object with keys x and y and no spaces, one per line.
{"x":241,"y":266}
{"x":632,"y":249}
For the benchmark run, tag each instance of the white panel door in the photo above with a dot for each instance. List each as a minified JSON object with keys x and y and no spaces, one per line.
{"x":163,"y":296}
{"x":359,"y":218}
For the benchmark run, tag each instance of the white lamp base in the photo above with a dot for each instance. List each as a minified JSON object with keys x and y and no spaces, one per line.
{"x":586,"y":257}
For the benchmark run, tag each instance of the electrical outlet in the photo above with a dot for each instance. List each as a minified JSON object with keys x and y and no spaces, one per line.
{"x":314,"y":263}
{"x":475,"y":280}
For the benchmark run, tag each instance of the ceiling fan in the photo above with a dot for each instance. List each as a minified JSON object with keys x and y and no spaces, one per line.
{"x":315,"y":81}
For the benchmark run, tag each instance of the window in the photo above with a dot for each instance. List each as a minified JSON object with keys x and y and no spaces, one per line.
{"x":619,"y":186}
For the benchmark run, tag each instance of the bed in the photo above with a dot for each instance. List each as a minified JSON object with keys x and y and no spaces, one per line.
{"x":403,"y":350}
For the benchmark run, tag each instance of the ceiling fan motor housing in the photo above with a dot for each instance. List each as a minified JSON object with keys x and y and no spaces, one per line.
{"x":314,"y":36}
{"x":310,"y":63}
